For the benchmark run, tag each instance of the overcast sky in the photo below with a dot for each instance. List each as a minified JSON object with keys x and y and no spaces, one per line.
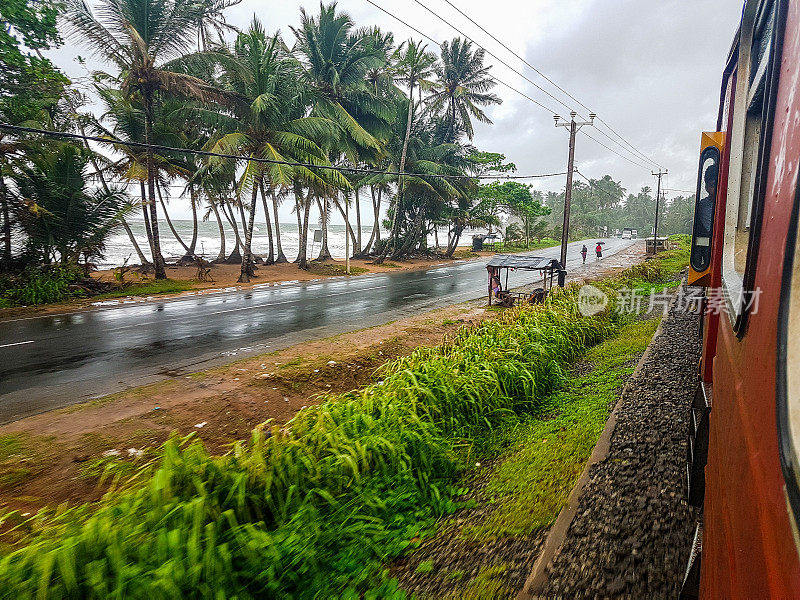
{"x":650,"y":68}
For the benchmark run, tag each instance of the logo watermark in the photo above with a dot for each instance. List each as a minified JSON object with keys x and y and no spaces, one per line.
{"x":592,"y":300}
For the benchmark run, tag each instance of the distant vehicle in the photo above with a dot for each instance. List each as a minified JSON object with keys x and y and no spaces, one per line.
{"x":634,"y":234}
{"x":626,"y":233}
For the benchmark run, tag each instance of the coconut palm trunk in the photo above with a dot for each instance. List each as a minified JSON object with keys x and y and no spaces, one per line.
{"x":142,"y":258}
{"x":221,"y":255}
{"x":280,"y":257}
{"x":394,"y":230}
{"x":375,"y":235}
{"x":247,"y":255}
{"x":193,"y":243}
{"x":169,"y":221}
{"x":146,"y":217}
{"x":6,"y":224}
{"x":298,"y":209}
{"x":306,"y":216}
{"x":324,"y":253}
{"x":158,"y":259}
{"x":271,"y":257}
{"x":236,"y":255}
{"x":358,"y":220}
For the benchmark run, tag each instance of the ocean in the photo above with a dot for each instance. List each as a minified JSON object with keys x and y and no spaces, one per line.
{"x":119,"y":248}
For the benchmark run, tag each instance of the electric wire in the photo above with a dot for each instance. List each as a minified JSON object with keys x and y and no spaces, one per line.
{"x":633,"y":162}
{"x":208,"y":153}
{"x":521,"y":74}
{"x":439,"y":45}
{"x":550,"y":81}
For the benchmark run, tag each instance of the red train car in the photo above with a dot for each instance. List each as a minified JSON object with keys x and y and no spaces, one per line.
{"x":743,"y":468}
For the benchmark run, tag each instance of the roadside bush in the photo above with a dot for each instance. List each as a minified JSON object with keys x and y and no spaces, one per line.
{"x":650,"y":271}
{"x":313,"y":509}
{"x":39,"y":286}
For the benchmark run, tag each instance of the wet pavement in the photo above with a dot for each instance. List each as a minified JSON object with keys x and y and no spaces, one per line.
{"x":52,"y":361}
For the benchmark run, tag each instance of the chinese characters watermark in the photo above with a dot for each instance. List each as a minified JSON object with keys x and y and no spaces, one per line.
{"x":592,"y":301}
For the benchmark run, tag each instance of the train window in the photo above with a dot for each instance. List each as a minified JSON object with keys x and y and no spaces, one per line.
{"x":702,"y":229}
{"x":749,"y":159}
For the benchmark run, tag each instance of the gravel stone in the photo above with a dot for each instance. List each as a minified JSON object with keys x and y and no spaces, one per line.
{"x":633,"y":529}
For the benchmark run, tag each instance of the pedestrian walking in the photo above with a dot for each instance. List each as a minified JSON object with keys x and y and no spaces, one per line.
{"x":599,"y":251}
{"x":584,"y":250}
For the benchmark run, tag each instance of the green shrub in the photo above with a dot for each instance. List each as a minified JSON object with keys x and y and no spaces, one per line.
{"x":39,"y":286}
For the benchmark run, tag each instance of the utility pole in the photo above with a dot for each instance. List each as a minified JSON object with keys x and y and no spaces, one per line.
{"x":659,"y":174}
{"x":574,"y":128}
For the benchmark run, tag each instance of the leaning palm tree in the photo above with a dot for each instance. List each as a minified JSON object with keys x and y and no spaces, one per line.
{"x":415,"y":66}
{"x":463,"y":88}
{"x":141,"y":38}
{"x":268,"y":122}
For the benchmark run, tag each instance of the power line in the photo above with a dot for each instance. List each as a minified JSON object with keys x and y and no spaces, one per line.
{"x":633,"y":162}
{"x":553,"y":83}
{"x":207,"y":153}
{"x":546,"y":78}
{"x":439,"y":45}
{"x":427,"y":37}
{"x":490,"y":53}
{"x":493,"y":55}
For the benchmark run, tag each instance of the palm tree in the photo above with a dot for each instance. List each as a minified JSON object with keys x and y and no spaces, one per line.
{"x":63,"y":219}
{"x":268,"y":120}
{"x":464,"y":85}
{"x":337,"y":60}
{"x":414,"y":67}
{"x":141,"y":37}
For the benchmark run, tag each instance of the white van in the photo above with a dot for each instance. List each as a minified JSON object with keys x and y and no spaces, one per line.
{"x":626,"y":233}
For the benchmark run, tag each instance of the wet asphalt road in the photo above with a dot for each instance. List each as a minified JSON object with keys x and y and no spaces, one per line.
{"x":53,"y":361}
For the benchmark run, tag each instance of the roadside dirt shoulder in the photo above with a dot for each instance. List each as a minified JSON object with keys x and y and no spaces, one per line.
{"x":50,"y":458}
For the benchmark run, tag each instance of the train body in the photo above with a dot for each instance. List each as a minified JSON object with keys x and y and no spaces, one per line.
{"x":744,"y":441}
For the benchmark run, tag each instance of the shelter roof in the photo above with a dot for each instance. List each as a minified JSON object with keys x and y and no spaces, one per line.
{"x":522,"y":261}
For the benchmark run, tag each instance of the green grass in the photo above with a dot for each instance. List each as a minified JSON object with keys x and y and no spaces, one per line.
{"x":21,"y":457}
{"x":315,"y":509}
{"x":547,"y":452}
{"x":151,"y":288}
{"x":426,"y":566}
{"x":334,"y":269}
{"x":488,"y":584}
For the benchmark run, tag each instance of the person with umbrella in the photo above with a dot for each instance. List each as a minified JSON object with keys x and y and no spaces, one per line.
{"x":599,"y":250}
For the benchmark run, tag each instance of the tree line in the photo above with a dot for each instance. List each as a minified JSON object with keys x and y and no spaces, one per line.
{"x":396,"y":117}
{"x":603,"y":202}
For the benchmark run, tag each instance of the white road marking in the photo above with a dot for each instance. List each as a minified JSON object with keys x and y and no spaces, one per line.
{"x":16,"y":344}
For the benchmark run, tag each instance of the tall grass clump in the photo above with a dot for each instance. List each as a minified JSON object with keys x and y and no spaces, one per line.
{"x":313,"y":509}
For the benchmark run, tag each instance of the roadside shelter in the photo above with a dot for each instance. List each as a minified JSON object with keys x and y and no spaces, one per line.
{"x":500,"y":265}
